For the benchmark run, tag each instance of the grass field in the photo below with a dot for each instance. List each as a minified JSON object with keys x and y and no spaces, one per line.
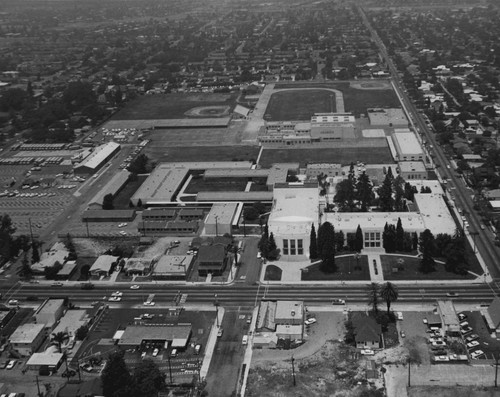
{"x":355,"y":100}
{"x":202,"y":153}
{"x":216,"y":185}
{"x":348,"y":268}
{"x":344,"y":156}
{"x":171,"y":106}
{"x":409,"y":270}
{"x":299,"y":104}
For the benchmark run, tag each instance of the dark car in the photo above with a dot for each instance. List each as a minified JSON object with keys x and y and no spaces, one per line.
{"x":87,"y":286}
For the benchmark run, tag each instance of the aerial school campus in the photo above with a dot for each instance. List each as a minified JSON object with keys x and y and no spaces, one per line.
{"x":283,"y":190}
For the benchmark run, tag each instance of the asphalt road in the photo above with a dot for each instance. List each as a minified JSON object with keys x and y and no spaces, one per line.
{"x":246,"y":296}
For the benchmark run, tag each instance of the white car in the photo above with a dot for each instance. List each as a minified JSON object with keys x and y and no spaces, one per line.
{"x":310,"y":321}
{"x":473,"y":344}
{"x":155,"y":352}
{"x":115,"y":299}
{"x":476,"y":354}
{"x":149,"y":303}
{"x":123,"y":233}
{"x":135,"y":286}
{"x":11,"y":364}
{"x":367,"y":352}
{"x":117,"y":293}
{"x":122,"y":225}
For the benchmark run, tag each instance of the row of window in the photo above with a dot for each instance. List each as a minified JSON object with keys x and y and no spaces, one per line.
{"x":293,"y":247}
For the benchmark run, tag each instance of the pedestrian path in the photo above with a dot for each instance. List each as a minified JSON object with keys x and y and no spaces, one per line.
{"x":375,"y":267}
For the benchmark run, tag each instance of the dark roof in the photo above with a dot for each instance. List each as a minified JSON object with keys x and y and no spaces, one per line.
{"x":191,"y":212}
{"x":167,"y":212}
{"x":211,"y":253}
{"x":366,"y":328}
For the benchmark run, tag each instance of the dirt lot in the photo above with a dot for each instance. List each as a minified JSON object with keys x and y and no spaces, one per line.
{"x":323,"y":365}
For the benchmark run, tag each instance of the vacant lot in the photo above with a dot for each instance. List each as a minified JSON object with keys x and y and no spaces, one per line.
{"x":344,"y":156}
{"x":299,"y":104}
{"x":355,"y":100}
{"x":161,"y":153}
{"x":171,"y":106}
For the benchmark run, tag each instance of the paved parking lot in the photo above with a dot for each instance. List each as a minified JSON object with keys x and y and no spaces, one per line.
{"x":489,"y":345}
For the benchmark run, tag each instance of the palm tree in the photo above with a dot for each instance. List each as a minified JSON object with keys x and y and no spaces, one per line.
{"x":59,"y":338}
{"x":389,"y":292}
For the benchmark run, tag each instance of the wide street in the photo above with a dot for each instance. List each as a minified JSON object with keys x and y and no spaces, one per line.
{"x":246,"y":296}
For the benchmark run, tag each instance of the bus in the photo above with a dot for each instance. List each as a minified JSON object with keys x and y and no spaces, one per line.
{"x":150,"y":300}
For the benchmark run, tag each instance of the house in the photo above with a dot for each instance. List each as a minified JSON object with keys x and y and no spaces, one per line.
{"x":69,"y":324}
{"x":211,"y":259}
{"x":137,"y":266}
{"x":52,"y":361}
{"x":103,"y":265}
{"x":56,"y":254}
{"x":367,"y":332}
{"x":289,"y":312}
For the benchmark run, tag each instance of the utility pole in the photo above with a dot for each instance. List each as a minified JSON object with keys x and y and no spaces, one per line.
{"x":293,"y":372}
{"x":496,"y":370}
{"x":216,"y":304}
{"x":216,"y":226}
{"x":409,"y":372}
{"x":38,"y":387}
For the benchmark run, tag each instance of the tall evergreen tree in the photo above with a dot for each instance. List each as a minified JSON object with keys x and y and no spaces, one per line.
{"x":385,"y":194}
{"x":35,"y":255}
{"x":389,"y":238}
{"x":398,"y":184}
{"x":107,"y":202}
{"x":313,"y":246}
{"x":359,"y":239}
{"x":373,"y":295}
{"x":345,"y":195}
{"x":400,"y":236}
{"x":427,"y":247}
{"x":339,"y":241}
{"x":364,"y":192}
{"x":326,"y":233}
{"x":149,"y":379}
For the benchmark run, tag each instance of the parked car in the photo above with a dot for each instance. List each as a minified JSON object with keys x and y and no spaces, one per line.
{"x":197,"y":349}
{"x":114,"y":299}
{"x":367,"y":352}
{"x":220,"y":332}
{"x":155,"y":352}
{"x":471,"y":338}
{"x":399,"y":316}
{"x":135,"y":286}
{"x":452,"y":294}
{"x":462,"y":316}
{"x":402,"y":334}
{"x":476,"y":354}
{"x":466,"y":330}
{"x":244,"y":341}
{"x":338,"y":302}
{"x":117,"y":293}
{"x":310,"y":321}
{"x":173,"y":353}
{"x":11,"y":364}
{"x":472,"y":344}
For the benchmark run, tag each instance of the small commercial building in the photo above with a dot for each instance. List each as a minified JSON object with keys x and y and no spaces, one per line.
{"x":220,"y":219}
{"x":51,"y":361}
{"x":407,"y":146}
{"x":289,"y":312}
{"x":103,"y":265}
{"x":292,"y":332}
{"x":70,"y":322}
{"x":211,"y":259}
{"x":49,"y":312}
{"x":449,"y":318}
{"x":176,"y":336}
{"x":27,"y":338}
{"x":100,"y":215}
{"x":173,"y":267}
{"x":412,"y":170}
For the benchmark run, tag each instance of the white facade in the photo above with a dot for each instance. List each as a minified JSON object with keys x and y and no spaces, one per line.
{"x":407,"y":146}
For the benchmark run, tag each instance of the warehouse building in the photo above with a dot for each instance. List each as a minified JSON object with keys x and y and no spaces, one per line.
{"x":97,"y":159}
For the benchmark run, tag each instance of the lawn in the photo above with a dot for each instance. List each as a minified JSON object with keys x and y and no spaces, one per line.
{"x":355,"y":100}
{"x":273,"y":273}
{"x":170,"y":106}
{"x":299,"y":104}
{"x":344,"y":156}
{"x":348,"y":268}
{"x":216,"y":185}
{"x":202,"y":153}
{"x":122,"y":199}
{"x":408,"y":269}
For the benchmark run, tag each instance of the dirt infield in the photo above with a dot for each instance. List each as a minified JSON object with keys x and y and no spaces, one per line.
{"x":208,"y":111}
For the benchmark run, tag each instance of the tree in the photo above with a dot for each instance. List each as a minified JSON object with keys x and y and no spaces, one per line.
{"x":359,"y":239}
{"x":59,"y":338}
{"x":389,"y":293}
{"x":400,"y":236}
{"x":364,"y":192}
{"x":345,"y":195}
{"x":7,"y":230}
{"x":389,"y":238}
{"x":385,"y":193}
{"x":25,"y":271}
{"x":373,"y":295}
{"x":264,"y":242}
{"x":313,"y":247}
{"x":139,"y":165}
{"x":148,"y":378}
{"x":51,"y":272}
{"x":82,"y":332}
{"x":35,"y":255}
{"x":326,"y":247}
{"x":399,"y":193}
{"x":273,"y":251}
{"x":339,"y":241}
{"x":427,"y":247}
{"x":116,"y":378}
{"x":107,"y":202}
{"x":250,"y":214}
